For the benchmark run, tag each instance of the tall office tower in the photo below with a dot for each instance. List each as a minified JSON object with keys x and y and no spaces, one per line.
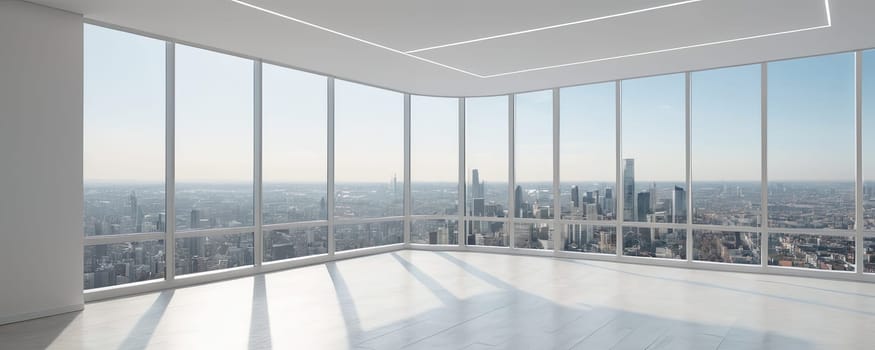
{"x":395,"y":185}
{"x":588,"y":198}
{"x":478,"y":207}
{"x":643,"y":205}
{"x":629,"y":204}
{"x":609,"y":200}
{"x":575,"y":196}
{"x":139,"y":219}
{"x":195,"y":219}
{"x":162,"y":222}
{"x":323,"y":209}
{"x":679,"y":205}
{"x":133,"y":199}
{"x":598,"y":201}
{"x":475,"y":184}
{"x":575,"y":235}
{"x":518,"y":202}
{"x":653,"y":195}
{"x":592,"y":211}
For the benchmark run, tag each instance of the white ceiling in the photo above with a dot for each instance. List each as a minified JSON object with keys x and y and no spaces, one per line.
{"x":369,"y":41}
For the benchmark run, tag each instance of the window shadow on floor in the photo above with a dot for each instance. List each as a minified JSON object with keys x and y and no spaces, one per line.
{"x":726,"y":288}
{"x":346,"y":302}
{"x":510,"y":318}
{"x":259,"y":322}
{"x":141,"y":333}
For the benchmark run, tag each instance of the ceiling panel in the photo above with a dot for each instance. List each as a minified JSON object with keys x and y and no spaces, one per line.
{"x":691,"y":24}
{"x":408,"y":25}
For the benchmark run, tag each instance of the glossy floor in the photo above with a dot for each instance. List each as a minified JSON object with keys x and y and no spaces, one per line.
{"x":448,"y":300}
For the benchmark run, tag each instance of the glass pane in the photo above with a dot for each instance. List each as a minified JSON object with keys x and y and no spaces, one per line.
{"x":486,"y":156}
{"x":869,"y":254}
{"x":533,"y":236}
{"x":435,"y":232}
{"x":294,"y":145}
{"x":200,"y":254}
{"x":490,"y":233}
{"x":590,"y":238}
{"x":368,"y":235}
{"x":534,"y":155}
{"x":588,"y":152}
{"x":655,"y":242}
{"x":369,"y":148}
{"x":725,"y":146}
{"x":295,"y":242}
{"x":726,"y":247}
{"x":123,"y":163}
{"x":115,"y":264}
{"x":434,"y":155}
{"x":213,"y":140}
{"x":868,"y":140}
{"x":811,"y":251}
{"x":811,"y":142}
{"x":654,"y":148}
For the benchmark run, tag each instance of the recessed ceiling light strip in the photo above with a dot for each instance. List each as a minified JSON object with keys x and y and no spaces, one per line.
{"x":409,"y":53}
{"x":827,"y":25}
{"x":554,"y":26}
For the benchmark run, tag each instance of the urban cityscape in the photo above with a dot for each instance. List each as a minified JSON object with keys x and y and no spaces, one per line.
{"x":732,"y":208}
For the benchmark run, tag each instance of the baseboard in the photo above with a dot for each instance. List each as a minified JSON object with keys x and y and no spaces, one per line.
{"x":40,"y":314}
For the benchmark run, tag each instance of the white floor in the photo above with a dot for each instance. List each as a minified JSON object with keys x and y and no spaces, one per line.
{"x":442,"y":300}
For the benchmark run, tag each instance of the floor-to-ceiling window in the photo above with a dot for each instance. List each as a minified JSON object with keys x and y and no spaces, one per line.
{"x":368,"y":165}
{"x":653,"y":167}
{"x":294,"y":163}
{"x":587,"y":167}
{"x":811,"y":162}
{"x":434,"y":170}
{"x":123,"y":157}
{"x":487,"y":174}
{"x":726,"y":164}
{"x":868,"y":161}
{"x":214,"y":161}
{"x":533,"y":174}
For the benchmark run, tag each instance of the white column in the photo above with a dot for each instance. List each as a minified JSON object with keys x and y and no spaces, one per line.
{"x":764,"y":164}
{"x":331,"y":194}
{"x":169,"y":160}
{"x":407,"y":193}
{"x":257,"y":176}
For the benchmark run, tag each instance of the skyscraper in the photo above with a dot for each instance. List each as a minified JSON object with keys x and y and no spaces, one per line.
{"x":518,"y":202}
{"x":608,"y":205}
{"x":643,"y":205}
{"x":575,"y":196}
{"x":478,"y":203}
{"x":592,"y":211}
{"x":195,"y":219}
{"x":475,"y":184}
{"x":679,"y":205}
{"x":629,"y":204}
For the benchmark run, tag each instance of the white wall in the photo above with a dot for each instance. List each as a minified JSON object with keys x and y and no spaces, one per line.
{"x":40,"y":161}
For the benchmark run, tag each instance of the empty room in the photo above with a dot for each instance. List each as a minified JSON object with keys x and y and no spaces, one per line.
{"x":390,"y":174}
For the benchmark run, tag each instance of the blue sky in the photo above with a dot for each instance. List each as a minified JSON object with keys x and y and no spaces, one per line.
{"x":811,"y":123}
